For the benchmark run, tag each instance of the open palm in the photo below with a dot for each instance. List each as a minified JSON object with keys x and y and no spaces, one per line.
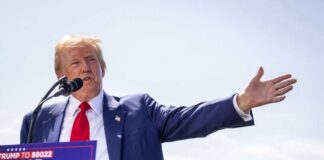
{"x":259,"y":93}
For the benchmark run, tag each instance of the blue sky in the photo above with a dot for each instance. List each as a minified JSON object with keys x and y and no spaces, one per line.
{"x":180,"y":52}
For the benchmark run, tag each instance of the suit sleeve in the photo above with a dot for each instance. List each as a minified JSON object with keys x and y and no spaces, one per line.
{"x":24,"y":129}
{"x":200,"y":120}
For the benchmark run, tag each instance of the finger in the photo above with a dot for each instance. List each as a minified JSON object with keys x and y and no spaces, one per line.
{"x":281,"y":78}
{"x":278,"y":99}
{"x":285,"y":83}
{"x":284,"y":90}
{"x":259,"y":74}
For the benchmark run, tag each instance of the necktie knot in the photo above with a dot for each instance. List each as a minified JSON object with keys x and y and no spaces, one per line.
{"x":84,"y":106}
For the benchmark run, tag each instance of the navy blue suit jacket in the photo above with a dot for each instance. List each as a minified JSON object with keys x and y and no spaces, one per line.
{"x":144,"y":124}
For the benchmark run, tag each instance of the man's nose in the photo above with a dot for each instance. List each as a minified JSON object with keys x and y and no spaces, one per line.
{"x":85,"y":67}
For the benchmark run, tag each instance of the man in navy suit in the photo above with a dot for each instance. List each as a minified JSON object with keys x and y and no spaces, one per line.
{"x":135,"y":126}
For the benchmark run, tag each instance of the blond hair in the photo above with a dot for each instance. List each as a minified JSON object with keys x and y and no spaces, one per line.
{"x":71,"y":41}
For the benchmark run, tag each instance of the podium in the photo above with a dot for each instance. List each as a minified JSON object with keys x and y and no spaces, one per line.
{"x":83,"y":150}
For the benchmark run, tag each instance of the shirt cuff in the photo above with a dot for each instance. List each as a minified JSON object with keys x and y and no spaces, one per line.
{"x":245,"y":116}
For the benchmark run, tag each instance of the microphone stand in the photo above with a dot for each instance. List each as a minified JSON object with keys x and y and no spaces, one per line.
{"x":39,"y":107}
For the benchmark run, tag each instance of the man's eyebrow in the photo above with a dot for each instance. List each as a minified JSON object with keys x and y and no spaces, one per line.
{"x":90,"y":56}
{"x":74,"y":59}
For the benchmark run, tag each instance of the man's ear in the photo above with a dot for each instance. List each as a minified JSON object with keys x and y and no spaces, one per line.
{"x":59,"y":75}
{"x":103,"y":73}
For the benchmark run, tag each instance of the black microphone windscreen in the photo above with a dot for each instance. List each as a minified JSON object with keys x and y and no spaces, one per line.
{"x":76,"y":83}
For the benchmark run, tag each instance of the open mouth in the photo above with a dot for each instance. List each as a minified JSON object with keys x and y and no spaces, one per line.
{"x":87,"y":78}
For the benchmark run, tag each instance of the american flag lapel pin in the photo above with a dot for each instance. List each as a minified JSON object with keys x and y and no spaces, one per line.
{"x":117,"y":118}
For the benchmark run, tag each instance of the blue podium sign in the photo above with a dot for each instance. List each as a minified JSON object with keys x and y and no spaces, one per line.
{"x":85,"y":150}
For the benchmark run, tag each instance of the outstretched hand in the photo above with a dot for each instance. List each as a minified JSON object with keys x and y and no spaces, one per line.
{"x":259,"y":93}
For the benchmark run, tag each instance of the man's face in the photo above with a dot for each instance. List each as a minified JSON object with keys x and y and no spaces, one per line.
{"x":82,"y":62}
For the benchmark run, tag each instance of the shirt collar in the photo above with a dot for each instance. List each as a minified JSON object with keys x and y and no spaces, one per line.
{"x":95,"y":103}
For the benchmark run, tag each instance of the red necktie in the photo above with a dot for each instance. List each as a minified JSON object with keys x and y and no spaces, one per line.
{"x":80,"y":129}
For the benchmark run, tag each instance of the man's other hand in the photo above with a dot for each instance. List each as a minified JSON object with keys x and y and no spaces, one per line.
{"x":259,"y":93}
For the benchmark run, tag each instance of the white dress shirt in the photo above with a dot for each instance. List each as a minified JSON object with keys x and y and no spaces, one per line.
{"x":245,"y":116}
{"x":97,"y":131}
{"x":94,"y":115}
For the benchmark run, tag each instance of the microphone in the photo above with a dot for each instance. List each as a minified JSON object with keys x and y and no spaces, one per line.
{"x":65,"y":89}
{"x":68,"y":87}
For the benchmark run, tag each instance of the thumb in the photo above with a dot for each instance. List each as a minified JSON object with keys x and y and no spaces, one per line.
{"x":259,"y":74}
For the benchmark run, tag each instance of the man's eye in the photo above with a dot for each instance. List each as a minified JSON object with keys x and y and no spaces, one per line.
{"x":92,"y":60}
{"x":75,"y":63}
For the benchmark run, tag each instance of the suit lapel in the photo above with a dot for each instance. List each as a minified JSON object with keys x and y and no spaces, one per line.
{"x":52,"y":126}
{"x":114,"y":118}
